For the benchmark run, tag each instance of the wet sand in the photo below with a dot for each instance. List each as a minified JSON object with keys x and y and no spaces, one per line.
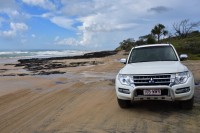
{"x":83,"y":100}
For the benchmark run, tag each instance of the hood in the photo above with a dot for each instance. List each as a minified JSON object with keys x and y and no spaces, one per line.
{"x":153,"y":67}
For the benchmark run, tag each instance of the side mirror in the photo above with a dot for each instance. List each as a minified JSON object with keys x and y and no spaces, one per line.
{"x":183,"y":57}
{"x":123,"y":60}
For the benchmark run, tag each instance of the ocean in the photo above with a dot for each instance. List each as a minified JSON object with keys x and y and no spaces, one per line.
{"x":12,"y":56}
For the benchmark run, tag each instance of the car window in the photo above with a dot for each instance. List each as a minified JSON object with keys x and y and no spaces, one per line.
{"x":156,"y":53}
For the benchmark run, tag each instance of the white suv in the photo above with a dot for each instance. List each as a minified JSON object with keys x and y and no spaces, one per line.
{"x":154,"y":72}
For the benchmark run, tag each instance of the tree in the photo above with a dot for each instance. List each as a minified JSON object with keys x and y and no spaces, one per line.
{"x":158,"y":31}
{"x":149,"y":39}
{"x":126,"y":44}
{"x":140,"y":42}
{"x":183,"y":28}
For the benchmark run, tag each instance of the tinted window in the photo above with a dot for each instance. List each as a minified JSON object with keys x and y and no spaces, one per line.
{"x":156,"y":53}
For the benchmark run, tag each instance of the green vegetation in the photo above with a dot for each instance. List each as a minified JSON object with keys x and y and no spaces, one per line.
{"x":188,"y":43}
{"x":158,"y":31}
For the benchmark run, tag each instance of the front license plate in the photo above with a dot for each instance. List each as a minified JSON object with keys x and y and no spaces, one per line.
{"x":152,"y":92}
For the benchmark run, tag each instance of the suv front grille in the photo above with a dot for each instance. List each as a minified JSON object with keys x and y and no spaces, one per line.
{"x":149,"y":80}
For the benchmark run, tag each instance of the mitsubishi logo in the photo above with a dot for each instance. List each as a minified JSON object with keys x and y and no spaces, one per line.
{"x":151,"y":81}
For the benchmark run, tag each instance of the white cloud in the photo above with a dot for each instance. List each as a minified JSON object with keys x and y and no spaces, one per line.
{"x":18,"y":26}
{"x":47,"y":15}
{"x":15,"y":29}
{"x":99,"y":23}
{"x":77,"y":7}
{"x":62,"y":22}
{"x":102,"y":23}
{"x":10,"y":8}
{"x":45,"y":4}
{"x":106,"y":22}
{"x":8,"y":4}
{"x":11,"y":11}
{"x":101,"y":18}
{"x":66,"y":41}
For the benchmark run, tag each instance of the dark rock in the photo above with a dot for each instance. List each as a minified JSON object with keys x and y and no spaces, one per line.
{"x":39,"y":65}
{"x":75,"y":64}
{"x":9,"y":64}
{"x":85,"y":56}
{"x":9,"y":75}
{"x":54,"y":66}
{"x":59,"y":82}
{"x":23,"y":74}
{"x":51,"y":72}
{"x":3,"y":69}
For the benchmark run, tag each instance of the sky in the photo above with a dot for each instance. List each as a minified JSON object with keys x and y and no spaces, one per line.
{"x":86,"y":24}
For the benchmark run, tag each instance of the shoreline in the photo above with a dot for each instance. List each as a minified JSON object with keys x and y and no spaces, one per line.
{"x":99,"y":54}
{"x":52,"y":65}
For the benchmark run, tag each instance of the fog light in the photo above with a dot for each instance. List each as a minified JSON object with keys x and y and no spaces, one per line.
{"x":182,"y":90}
{"x":126,"y":91}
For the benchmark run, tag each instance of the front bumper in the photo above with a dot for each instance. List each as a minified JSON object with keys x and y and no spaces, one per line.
{"x":169,"y":95}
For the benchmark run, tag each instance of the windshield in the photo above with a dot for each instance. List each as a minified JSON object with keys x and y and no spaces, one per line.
{"x":155,"y":53}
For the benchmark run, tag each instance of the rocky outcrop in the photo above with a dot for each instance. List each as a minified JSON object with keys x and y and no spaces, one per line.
{"x":44,"y":66}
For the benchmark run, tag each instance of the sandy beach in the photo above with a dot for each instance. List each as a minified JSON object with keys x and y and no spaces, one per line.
{"x":83,"y":99}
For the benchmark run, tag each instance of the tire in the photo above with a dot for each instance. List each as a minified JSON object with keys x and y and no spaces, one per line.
{"x":124,"y":103}
{"x":188,"y":104}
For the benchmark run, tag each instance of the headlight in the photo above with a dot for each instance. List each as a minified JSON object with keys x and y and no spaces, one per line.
{"x":182,"y":77}
{"x":126,"y":79}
